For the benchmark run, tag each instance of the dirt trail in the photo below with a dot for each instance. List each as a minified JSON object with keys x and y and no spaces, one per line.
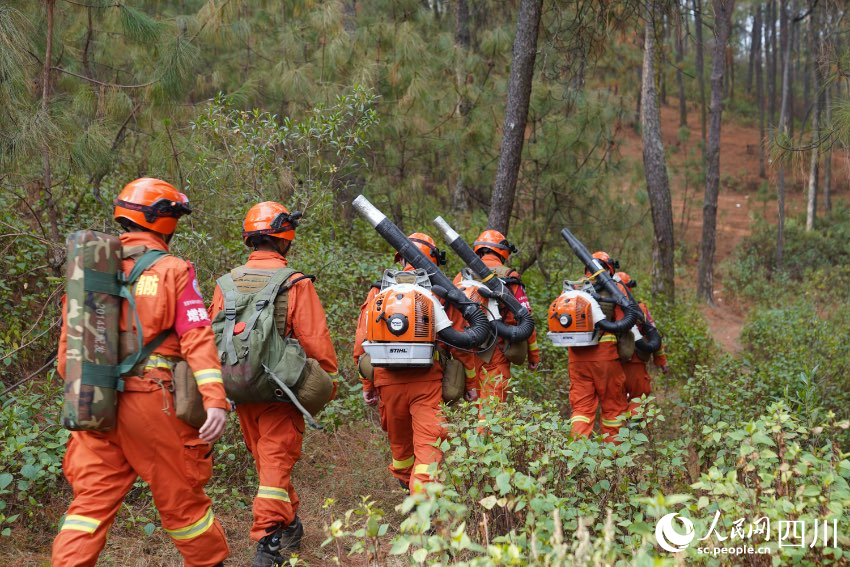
{"x":739,"y":203}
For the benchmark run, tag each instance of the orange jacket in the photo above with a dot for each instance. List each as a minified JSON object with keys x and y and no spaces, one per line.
{"x":305,"y":317}
{"x":607,"y":347}
{"x":385,"y":376}
{"x":165,"y":297}
{"x":493,"y":261}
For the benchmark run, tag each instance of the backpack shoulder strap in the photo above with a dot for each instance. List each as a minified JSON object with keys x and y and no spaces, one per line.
{"x":230,"y":294}
{"x":145,"y":261}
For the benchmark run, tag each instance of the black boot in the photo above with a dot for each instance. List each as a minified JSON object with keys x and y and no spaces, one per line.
{"x":274,"y":549}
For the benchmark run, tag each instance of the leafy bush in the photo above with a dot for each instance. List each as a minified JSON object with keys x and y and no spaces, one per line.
{"x":520,"y":493}
{"x":31,"y":447}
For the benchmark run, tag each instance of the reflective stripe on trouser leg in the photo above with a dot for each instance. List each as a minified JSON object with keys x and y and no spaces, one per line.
{"x":79,"y":523}
{"x":273,"y":493}
{"x":401,"y":465}
{"x":422,"y":475}
{"x":194,"y":529}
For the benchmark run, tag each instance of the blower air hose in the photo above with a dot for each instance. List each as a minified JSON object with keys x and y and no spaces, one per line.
{"x":479,"y":330}
{"x":629,"y":307}
{"x":651,"y":341}
{"x":524,"y":326}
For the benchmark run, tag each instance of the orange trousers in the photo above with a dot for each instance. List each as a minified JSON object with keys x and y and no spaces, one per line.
{"x":167,"y":454}
{"x":637,"y":382}
{"x":273,"y":433}
{"x":414,"y":422}
{"x":595,"y":383}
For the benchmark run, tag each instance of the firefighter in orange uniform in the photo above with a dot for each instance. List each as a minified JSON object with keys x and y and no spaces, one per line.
{"x":638,"y":381}
{"x":149,"y":441}
{"x":409,"y":399}
{"x":493,"y":377}
{"x":597,"y":378}
{"x":274,"y":431}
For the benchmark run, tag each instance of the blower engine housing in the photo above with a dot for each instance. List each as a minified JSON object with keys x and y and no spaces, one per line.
{"x":402,"y":323}
{"x":572,"y":319}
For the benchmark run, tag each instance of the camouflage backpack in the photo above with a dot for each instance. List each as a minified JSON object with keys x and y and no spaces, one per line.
{"x":94,"y":290}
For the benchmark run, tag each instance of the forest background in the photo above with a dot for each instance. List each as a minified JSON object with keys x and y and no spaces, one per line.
{"x":310,"y":103}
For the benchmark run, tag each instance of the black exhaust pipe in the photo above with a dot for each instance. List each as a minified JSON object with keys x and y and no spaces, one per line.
{"x":479,"y":330}
{"x":524,"y":326}
{"x":629,"y":307}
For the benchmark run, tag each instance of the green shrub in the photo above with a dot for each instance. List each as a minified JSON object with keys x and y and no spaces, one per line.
{"x":32,"y":444}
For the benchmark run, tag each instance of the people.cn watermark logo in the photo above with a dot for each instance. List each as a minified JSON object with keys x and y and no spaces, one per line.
{"x":667,"y":536}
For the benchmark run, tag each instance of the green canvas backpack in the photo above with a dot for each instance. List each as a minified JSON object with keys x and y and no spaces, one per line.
{"x":257,"y":364}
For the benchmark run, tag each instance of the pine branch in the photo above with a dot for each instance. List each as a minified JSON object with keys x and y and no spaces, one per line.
{"x":110,"y":85}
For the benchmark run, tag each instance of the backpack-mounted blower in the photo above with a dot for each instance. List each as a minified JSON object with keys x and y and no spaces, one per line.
{"x":479,"y":330}
{"x":571,"y":307}
{"x":524,"y":326}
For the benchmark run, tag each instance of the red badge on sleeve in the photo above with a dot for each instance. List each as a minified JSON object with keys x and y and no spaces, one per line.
{"x":191,"y":312}
{"x":522,"y":298}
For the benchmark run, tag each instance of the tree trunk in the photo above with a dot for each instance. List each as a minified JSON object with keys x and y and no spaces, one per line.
{"x":655,"y":168}
{"x":771,"y":65}
{"x":752,"y":60}
{"x":783,"y":129}
{"x":827,"y":157}
{"x":516,"y":113}
{"x":792,"y":37}
{"x":759,"y":76}
{"x":814,"y":49}
{"x":55,"y":260}
{"x":700,"y":66}
{"x":722,"y":24}
{"x":462,"y":42}
{"x":662,"y":76}
{"x":680,"y":78}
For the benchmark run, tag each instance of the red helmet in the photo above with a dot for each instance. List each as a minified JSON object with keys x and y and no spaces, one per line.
{"x":151,"y":203}
{"x":496,"y":242}
{"x":626,"y":279}
{"x":607,"y":262}
{"x":428,"y":247}
{"x":272,"y":219}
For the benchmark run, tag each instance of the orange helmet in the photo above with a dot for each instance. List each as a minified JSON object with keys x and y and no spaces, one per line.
{"x":151,"y":203}
{"x":626,"y":279}
{"x":428,"y":247}
{"x":607,"y":261}
{"x":272,"y":219}
{"x":496,"y":242}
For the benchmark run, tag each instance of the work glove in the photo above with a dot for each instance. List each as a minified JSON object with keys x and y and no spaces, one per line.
{"x":370,"y":397}
{"x":533,"y":365}
{"x":213,"y":427}
{"x":470,"y":395}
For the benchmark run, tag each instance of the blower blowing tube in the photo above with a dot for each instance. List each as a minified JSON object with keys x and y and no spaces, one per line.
{"x":524,"y":326}
{"x":479,"y":329}
{"x":629,"y":307}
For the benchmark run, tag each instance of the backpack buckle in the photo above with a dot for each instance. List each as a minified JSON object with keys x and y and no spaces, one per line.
{"x":261,"y":304}
{"x":230,"y":313}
